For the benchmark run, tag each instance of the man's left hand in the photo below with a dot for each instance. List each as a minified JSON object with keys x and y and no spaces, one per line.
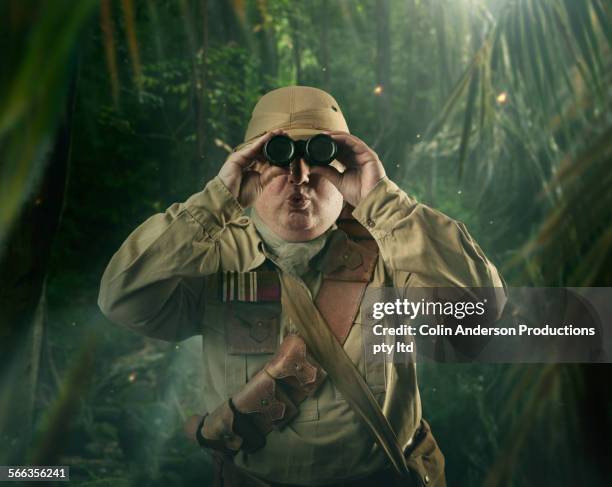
{"x":363,"y":167}
{"x":191,"y":427}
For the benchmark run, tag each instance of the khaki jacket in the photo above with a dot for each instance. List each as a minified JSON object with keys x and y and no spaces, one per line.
{"x":155,"y":285}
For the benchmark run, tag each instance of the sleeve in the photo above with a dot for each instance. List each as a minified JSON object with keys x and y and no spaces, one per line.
{"x":423,"y":248}
{"x":154,"y":283}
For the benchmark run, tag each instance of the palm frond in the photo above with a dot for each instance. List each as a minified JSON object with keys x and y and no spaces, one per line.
{"x":521,"y":50}
{"x":32,"y":98}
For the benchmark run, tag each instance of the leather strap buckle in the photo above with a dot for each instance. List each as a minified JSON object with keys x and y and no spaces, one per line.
{"x":265,"y":403}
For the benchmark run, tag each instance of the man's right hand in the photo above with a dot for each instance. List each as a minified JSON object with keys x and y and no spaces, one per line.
{"x":243,"y":177}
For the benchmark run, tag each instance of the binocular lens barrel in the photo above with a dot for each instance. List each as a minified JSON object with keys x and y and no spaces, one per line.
{"x":318,"y":150}
{"x":279,"y":150}
{"x":321,"y":149}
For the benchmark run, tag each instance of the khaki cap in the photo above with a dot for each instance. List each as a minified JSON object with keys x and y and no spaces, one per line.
{"x":299,"y":110}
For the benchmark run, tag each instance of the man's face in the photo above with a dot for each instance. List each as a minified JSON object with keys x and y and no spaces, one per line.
{"x":299,"y":206}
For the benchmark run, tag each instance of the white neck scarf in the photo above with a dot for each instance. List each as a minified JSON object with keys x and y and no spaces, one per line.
{"x":292,"y":257}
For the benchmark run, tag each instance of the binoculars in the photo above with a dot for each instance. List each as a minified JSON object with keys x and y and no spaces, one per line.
{"x":318,"y":150}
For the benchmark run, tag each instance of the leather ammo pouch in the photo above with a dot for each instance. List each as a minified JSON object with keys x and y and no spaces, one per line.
{"x":268,"y":401}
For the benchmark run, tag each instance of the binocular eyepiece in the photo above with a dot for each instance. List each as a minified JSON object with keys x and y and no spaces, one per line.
{"x":318,"y":150}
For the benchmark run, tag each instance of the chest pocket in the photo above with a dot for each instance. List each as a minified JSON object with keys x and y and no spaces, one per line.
{"x":252,"y":329}
{"x":251,"y":338}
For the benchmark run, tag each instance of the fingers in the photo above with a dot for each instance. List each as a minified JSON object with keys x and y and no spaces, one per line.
{"x":191,"y":427}
{"x":335,"y":132}
{"x":351,"y":141}
{"x":254,"y":151}
{"x":352,"y":151}
{"x":257,"y":147}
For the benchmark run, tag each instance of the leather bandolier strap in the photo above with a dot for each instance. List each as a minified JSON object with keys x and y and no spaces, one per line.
{"x":270,"y":400}
{"x":348,"y":267}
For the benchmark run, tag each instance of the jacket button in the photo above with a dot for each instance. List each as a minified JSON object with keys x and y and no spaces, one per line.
{"x":426,"y":479}
{"x":264,"y":402}
{"x":370,"y":222}
{"x":345,"y":256}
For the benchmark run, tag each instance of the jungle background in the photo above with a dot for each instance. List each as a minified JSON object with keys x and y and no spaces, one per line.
{"x":496,"y":112}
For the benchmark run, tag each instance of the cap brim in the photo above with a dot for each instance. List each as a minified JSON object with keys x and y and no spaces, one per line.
{"x":295,"y":133}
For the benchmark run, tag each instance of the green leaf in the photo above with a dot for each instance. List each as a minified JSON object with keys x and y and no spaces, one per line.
{"x":604,"y":20}
{"x":573,"y":13}
{"x":467,"y":120}
{"x":454,"y":97}
{"x":527,"y":28}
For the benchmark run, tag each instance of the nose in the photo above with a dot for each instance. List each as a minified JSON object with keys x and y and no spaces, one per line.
{"x":299,"y":172}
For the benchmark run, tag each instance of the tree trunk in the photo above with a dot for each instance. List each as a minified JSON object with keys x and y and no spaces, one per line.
{"x":294,"y":27}
{"x":200,"y":88}
{"x":383,"y":79}
{"x":266,"y":41}
{"x":325,"y":44}
{"x":198,"y":52}
{"x":230,"y":16}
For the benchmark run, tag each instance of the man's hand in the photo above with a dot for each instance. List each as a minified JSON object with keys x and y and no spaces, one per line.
{"x":239,"y":176}
{"x":363,"y":168}
{"x":191,"y":427}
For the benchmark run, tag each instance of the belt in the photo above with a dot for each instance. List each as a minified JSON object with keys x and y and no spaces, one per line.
{"x":385,"y":477}
{"x":228,"y":475}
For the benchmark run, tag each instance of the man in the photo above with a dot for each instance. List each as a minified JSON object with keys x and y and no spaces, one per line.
{"x":204,"y":267}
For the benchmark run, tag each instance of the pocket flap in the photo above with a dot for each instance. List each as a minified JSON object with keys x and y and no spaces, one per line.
{"x":252,"y":331}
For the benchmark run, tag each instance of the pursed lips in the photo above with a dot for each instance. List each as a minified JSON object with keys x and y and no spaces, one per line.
{"x":298,"y":201}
